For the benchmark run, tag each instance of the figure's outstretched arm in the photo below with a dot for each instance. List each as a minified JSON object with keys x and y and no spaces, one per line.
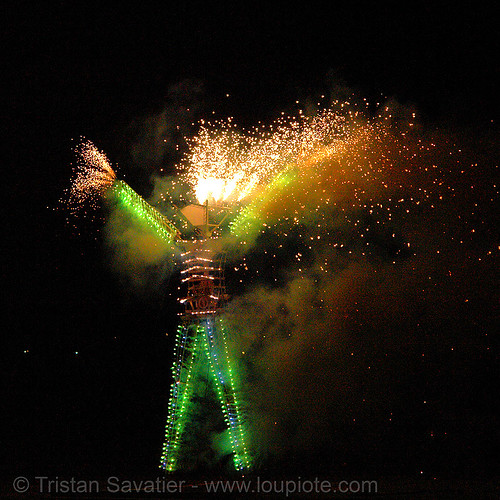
{"x":253,"y":217}
{"x":136,"y":206}
{"x":95,"y":179}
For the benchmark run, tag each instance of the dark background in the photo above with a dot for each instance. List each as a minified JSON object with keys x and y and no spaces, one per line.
{"x":89,"y":396}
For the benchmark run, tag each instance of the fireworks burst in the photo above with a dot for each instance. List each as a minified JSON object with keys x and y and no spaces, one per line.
{"x":93,"y":176}
{"x":224,"y":164}
{"x":300,"y":169}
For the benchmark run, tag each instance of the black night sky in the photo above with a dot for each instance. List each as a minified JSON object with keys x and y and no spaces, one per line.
{"x":86,"y":366}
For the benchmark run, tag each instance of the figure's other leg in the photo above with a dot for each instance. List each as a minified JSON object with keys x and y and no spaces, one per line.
{"x":224,"y":379}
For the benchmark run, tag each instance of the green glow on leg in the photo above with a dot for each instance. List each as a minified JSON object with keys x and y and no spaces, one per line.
{"x":223,"y":378}
{"x":201,"y":340}
{"x":242,"y":454}
{"x":180,"y":396}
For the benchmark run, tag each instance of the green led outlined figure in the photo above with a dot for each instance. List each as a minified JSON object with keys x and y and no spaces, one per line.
{"x":201,"y":335}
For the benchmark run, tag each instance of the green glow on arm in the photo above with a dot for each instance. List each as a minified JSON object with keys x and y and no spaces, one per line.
{"x":136,"y":206}
{"x":248,"y":223}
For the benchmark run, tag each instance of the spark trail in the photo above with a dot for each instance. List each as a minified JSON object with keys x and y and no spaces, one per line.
{"x":278,"y":172}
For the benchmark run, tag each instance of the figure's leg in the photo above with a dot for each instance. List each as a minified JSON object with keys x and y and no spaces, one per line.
{"x":185,"y":358}
{"x":224,"y":379}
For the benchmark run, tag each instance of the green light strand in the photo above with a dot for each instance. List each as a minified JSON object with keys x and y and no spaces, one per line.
{"x":142,"y":210}
{"x":248,"y":223}
{"x":180,"y":395}
{"x":224,"y":383}
{"x":191,"y":343}
{"x":237,"y":407}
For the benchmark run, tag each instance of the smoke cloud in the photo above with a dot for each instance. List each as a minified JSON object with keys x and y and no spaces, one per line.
{"x":359,"y":315}
{"x":141,"y":258}
{"x":152,"y":140}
